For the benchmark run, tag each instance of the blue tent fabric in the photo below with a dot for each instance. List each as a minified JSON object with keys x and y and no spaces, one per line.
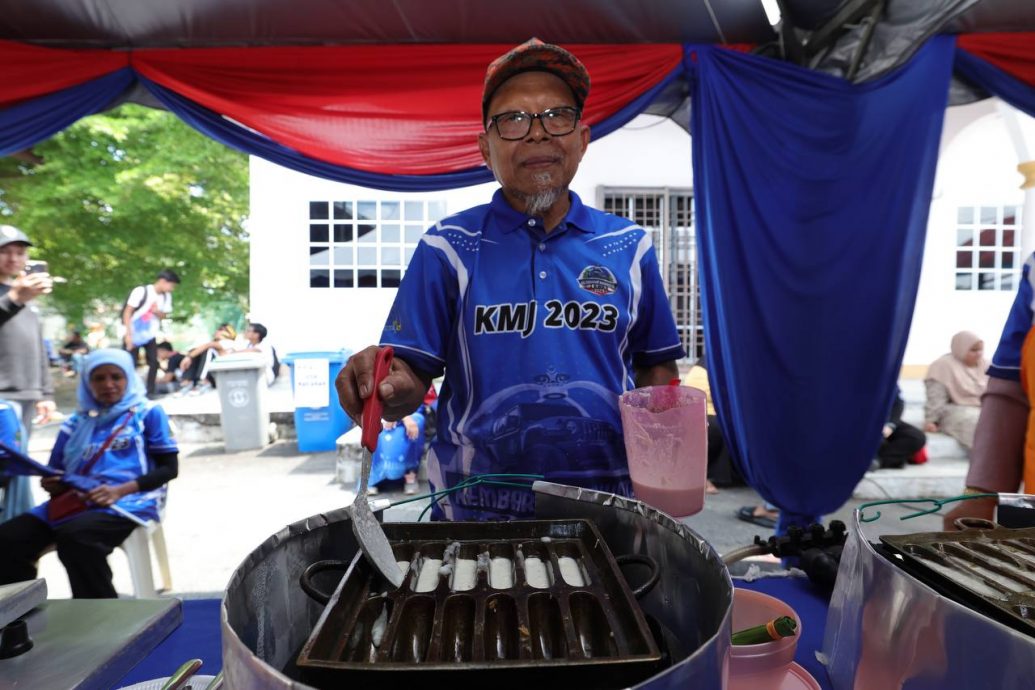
{"x":812,"y":202}
{"x":995,"y":81}
{"x":28,"y":123}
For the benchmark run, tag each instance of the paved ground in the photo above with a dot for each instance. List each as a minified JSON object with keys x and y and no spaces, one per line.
{"x":223,"y":505}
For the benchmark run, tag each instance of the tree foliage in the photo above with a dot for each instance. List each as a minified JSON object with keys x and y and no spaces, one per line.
{"x":121,"y":195}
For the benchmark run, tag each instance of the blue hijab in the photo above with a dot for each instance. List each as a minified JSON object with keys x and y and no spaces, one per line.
{"x":90,"y":413}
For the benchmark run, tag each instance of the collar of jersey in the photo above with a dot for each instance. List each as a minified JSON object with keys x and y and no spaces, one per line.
{"x":508,"y":220}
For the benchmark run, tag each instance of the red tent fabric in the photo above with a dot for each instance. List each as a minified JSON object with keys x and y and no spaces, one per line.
{"x":1013,"y":53}
{"x":410,"y":109}
{"x":30,"y":71}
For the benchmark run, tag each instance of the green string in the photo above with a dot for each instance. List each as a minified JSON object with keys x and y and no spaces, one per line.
{"x":473,"y":480}
{"x":938,"y":503}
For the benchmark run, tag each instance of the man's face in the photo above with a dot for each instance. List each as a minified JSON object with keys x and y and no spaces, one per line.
{"x":164,"y":285}
{"x":12,"y":259}
{"x":539,"y":161}
{"x":251,"y":336}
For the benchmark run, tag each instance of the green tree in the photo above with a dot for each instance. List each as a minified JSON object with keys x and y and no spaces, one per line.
{"x":121,"y":195}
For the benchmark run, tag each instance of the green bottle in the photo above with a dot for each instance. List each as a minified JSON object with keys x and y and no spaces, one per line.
{"x":784,"y":626}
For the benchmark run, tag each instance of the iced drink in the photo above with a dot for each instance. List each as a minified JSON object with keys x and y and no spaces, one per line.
{"x":666,"y":441}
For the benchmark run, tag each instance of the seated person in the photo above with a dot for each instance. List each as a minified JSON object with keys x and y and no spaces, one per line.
{"x":170,"y":370}
{"x":255,"y":335}
{"x":902,"y":441}
{"x":196,"y":378}
{"x":721,"y":471}
{"x":955,"y":383}
{"x":117,"y":436}
{"x":72,"y":353}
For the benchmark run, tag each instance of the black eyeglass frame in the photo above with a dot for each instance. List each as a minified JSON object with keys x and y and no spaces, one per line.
{"x":532,"y":117}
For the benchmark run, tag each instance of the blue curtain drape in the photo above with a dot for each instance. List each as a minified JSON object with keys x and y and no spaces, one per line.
{"x":812,"y":201}
{"x":28,"y":123}
{"x":996,"y":81}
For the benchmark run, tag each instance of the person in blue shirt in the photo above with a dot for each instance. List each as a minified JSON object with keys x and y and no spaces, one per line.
{"x":540,"y":310}
{"x":1002,"y":458}
{"x":117,"y":437}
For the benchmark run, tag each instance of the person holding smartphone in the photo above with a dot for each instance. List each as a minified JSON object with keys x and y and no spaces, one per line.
{"x":24,"y":370}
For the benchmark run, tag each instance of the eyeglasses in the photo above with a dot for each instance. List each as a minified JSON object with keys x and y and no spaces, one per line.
{"x":516,"y":125}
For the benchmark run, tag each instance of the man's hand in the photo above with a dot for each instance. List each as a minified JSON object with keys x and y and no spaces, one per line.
{"x":930,"y":427}
{"x":26,"y":288}
{"x":402,"y":390}
{"x":44,"y":411}
{"x":983,"y":508}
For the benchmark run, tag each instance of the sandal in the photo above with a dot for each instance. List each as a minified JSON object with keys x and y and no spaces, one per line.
{"x":747,"y":514}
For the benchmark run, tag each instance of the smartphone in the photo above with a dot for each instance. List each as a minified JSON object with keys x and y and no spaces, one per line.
{"x":36,"y":266}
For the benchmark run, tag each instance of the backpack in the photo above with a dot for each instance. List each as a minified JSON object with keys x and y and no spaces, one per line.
{"x":135,"y":306}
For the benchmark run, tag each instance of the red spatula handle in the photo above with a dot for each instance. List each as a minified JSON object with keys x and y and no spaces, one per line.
{"x":372,"y":406}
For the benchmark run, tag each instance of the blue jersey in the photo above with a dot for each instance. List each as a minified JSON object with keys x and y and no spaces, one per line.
{"x":1006,"y":362}
{"x":538,"y":335}
{"x":126,"y":458}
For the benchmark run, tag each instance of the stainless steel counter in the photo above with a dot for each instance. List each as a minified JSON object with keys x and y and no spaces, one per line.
{"x":83,"y":644}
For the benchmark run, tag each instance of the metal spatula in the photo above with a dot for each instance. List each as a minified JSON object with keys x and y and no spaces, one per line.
{"x":371,"y":537}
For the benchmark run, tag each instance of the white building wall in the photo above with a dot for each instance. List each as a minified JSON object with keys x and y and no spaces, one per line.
{"x":977,"y":166}
{"x":301,"y":318}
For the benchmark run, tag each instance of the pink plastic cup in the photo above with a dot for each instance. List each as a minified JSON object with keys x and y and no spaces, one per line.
{"x":666,"y":442}
{"x":755,"y":666}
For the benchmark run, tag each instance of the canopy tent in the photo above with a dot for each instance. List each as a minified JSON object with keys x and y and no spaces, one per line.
{"x":796,"y":340}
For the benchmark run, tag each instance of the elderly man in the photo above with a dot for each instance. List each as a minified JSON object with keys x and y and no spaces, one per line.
{"x":540,"y":310}
{"x":24,"y":367}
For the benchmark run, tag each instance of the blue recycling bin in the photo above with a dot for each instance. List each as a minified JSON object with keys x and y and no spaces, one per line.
{"x":319,"y":419}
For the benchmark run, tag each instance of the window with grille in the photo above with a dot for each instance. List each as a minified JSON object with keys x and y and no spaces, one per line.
{"x":668,"y":215}
{"x":988,"y":242}
{"x":359,"y":243}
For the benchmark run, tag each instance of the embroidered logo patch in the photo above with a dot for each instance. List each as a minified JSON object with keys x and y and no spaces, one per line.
{"x":120,"y":443}
{"x":598,"y":280}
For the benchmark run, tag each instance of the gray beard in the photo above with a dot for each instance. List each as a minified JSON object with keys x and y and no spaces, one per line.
{"x":542,"y":200}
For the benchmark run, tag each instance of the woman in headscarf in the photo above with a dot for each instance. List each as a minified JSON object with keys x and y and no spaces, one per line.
{"x":955,"y":382}
{"x":119,"y":444}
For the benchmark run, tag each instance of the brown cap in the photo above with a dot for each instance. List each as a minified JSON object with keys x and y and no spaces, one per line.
{"x":535,"y":56}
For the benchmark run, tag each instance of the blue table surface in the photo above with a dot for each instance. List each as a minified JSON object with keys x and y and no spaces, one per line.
{"x":198,"y":636}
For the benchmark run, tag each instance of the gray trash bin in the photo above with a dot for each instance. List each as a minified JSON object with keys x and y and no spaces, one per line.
{"x":244,"y":415}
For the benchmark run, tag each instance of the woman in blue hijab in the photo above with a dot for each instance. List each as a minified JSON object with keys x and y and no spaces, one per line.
{"x":118,"y":450}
